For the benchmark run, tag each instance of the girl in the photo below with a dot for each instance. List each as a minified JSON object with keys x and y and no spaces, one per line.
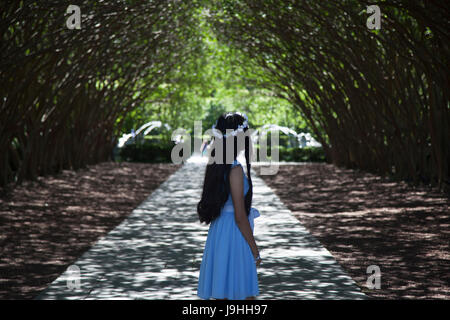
{"x":230,"y":256}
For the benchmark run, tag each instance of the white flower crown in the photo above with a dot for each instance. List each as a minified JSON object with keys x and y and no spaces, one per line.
{"x":217,"y":133}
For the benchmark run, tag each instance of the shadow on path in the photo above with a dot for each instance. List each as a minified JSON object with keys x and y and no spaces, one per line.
{"x":47,"y":224}
{"x":156,"y":252}
{"x":366,"y":219}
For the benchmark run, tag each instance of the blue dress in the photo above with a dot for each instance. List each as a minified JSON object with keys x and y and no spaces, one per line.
{"x":228,"y":269}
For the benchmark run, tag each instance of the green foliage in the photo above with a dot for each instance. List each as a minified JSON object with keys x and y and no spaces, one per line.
{"x":373,"y":99}
{"x":221,"y":79}
{"x":150,"y":152}
{"x":66,"y":93}
{"x":366,"y":94}
{"x":295,"y":154}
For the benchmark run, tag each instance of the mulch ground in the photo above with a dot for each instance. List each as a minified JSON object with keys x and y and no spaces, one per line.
{"x":47,"y":224}
{"x":364,"y":219}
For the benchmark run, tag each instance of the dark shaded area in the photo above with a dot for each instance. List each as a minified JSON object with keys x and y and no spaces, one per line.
{"x":364,"y":219}
{"x":376,"y":100}
{"x":47,"y":224}
{"x":65,"y":92}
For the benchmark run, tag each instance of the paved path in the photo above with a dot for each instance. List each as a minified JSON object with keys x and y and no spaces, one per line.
{"x":156,"y":252}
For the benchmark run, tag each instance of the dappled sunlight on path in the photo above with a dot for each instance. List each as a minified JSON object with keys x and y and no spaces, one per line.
{"x":156,"y":252}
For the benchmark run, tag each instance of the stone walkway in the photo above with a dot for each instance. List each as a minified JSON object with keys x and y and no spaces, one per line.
{"x":156,"y":252}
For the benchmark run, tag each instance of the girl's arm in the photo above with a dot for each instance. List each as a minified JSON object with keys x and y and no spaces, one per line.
{"x":240,"y":215}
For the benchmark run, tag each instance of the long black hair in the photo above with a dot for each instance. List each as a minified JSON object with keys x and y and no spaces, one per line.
{"x":216,"y":184}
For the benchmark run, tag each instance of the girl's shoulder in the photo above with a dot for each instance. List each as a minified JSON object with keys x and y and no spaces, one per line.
{"x":236,"y":163}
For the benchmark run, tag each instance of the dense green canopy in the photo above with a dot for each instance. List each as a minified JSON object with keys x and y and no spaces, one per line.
{"x":375,"y":99}
{"x":63,"y":90}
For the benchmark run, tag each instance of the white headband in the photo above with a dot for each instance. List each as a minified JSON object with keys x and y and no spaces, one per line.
{"x":217,"y":133}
